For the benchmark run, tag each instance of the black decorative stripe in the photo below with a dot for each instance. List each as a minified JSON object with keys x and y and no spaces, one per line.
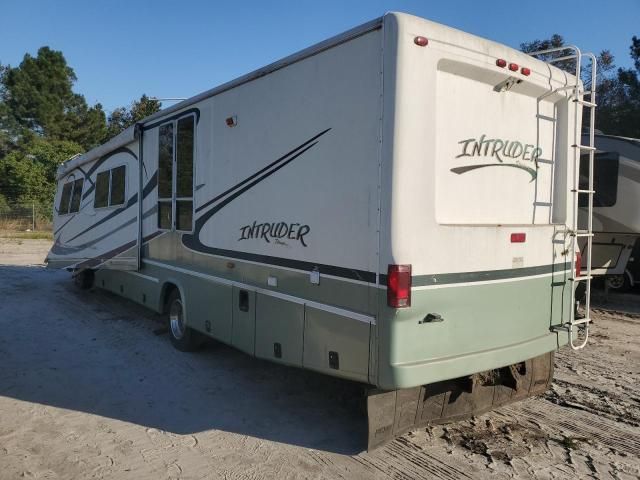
{"x":58,"y":249}
{"x":469,"y":277}
{"x":259,"y":172}
{"x":183,"y":113}
{"x":99,"y":162}
{"x":63,"y":225}
{"x":192,"y":241}
{"x":343,"y":272}
{"x":92,"y":262}
{"x":151,"y":184}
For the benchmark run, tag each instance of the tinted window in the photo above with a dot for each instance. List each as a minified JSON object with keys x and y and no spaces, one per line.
{"x":184,"y":214}
{"x":165,"y":161}
{"x":164,"y":215}
{"x":102,"y":190}
{"x":184,"y":158}
{"x":605,"y":179}
{"x":76,"y":196}
{"x":63,"y":208}
{"x":118,"y":176}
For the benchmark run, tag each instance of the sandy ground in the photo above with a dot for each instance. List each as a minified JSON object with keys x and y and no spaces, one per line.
{"x":90,"y":387}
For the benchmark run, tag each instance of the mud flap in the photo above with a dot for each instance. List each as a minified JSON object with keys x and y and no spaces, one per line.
{"x":392,"y":413}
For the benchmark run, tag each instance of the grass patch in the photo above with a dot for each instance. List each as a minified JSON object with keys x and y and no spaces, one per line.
{"x":27,"y":235}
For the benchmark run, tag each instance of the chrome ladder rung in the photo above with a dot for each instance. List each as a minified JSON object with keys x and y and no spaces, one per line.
{"x":581,"y":321}
{"x":545,"y":117}
{"x":585,"y":103}
{"x":591,"y":192}
{"x":584,"y":147}
{"x":581,"y":278}
{"x":559,"y":59}
{"x":581,"y":234}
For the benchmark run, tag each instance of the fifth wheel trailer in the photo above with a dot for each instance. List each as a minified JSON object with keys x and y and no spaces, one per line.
{"x":616,"y":207}
{"x":395,"y":206}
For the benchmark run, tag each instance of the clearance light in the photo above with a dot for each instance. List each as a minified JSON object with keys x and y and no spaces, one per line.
{"x":421,"y":41}
{"x":399,"y":286}
{"x":501,"y":62}
{"x":518,"y":237}
{"x":513,"y":67}
{"x":578,"y":264}
{"x":525,"y":71}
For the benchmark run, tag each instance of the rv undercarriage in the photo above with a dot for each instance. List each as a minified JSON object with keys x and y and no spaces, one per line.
{"x":393,"y":413}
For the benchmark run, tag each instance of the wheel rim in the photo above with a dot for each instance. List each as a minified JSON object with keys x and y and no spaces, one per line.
{"x":615,"y":281}
{"x":176,"y":319}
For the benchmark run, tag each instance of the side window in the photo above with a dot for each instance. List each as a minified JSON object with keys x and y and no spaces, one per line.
{"x":605,"y":179}
{"x":184,"y":176}
{"x":165,"y":176}
{"x":63,"y":208}
{"x":116,"y":196}
{"x":110,"y":187}
{"x":71,"y":197}
{"x":102,"y":190}
{"x":76,"y":197}
{"x":176,"y":143}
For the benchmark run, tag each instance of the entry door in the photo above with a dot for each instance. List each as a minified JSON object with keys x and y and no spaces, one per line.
{"x":176,"y":163}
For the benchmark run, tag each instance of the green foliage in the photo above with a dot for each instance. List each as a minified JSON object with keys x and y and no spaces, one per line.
{"x":617,"y":92}
{"x":123,"y":117}
{"x":38,"y":97}
{"x":619,"y":99}
{"x":28,"y":172}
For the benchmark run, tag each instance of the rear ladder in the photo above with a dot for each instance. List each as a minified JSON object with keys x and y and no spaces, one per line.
{"x":577,"y":325}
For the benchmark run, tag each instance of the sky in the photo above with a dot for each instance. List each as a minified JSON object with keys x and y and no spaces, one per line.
{"x":120,"y":49}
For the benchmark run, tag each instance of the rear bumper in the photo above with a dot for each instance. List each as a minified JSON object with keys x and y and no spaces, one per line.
{"x":483,"y":326}
{"x":408,"y":375}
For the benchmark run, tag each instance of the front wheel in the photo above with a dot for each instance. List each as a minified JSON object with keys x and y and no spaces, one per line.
{"x":182,"y":337}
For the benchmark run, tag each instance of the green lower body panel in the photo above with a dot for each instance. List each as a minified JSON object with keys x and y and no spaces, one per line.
{"x":480,"y":326}
{"x":460,"y":330}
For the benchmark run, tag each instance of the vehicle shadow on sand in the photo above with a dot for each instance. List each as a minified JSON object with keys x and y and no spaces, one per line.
{"x":94,"y":352}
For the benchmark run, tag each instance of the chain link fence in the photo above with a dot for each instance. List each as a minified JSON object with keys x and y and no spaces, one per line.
{"x":25,"y":217}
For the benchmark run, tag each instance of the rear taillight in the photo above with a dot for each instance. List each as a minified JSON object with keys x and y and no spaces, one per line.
{"x":399,"y":286}
{"x":578,"y":264}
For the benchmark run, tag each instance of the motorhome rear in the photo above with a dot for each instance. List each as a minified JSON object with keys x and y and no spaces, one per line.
{"x":392,"y":206}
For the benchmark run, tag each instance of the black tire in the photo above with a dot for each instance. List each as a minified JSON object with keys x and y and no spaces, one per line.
{"x":619,"y":283}
{"x":182,"y":337}
{"x":84,"y":279}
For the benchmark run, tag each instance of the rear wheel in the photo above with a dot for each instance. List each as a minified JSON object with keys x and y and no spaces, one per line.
{"x":84,"y":279}
{"x":619,"y":283}
{"x":182,"y":337}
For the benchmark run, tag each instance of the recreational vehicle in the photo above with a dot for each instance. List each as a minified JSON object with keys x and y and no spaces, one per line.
{"x":396,"y":206}
{"x":616,"y":208}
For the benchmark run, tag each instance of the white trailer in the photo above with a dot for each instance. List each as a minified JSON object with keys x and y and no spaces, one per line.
{"x":616,"y":207}
{"x":396,"y":206}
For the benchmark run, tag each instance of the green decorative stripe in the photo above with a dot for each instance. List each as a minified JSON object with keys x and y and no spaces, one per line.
{"x":468,"y":277}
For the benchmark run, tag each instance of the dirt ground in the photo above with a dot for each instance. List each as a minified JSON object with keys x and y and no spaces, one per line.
{"x":90,"y":387}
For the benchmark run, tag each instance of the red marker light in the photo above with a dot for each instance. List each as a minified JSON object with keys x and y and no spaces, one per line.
{"x":399,"y":286}
{"x":518,"y":237}
{"x":421,"y":41}
{"x":501,"y":62}
{"x":525,"y":71}
{"x":513,"y":67}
